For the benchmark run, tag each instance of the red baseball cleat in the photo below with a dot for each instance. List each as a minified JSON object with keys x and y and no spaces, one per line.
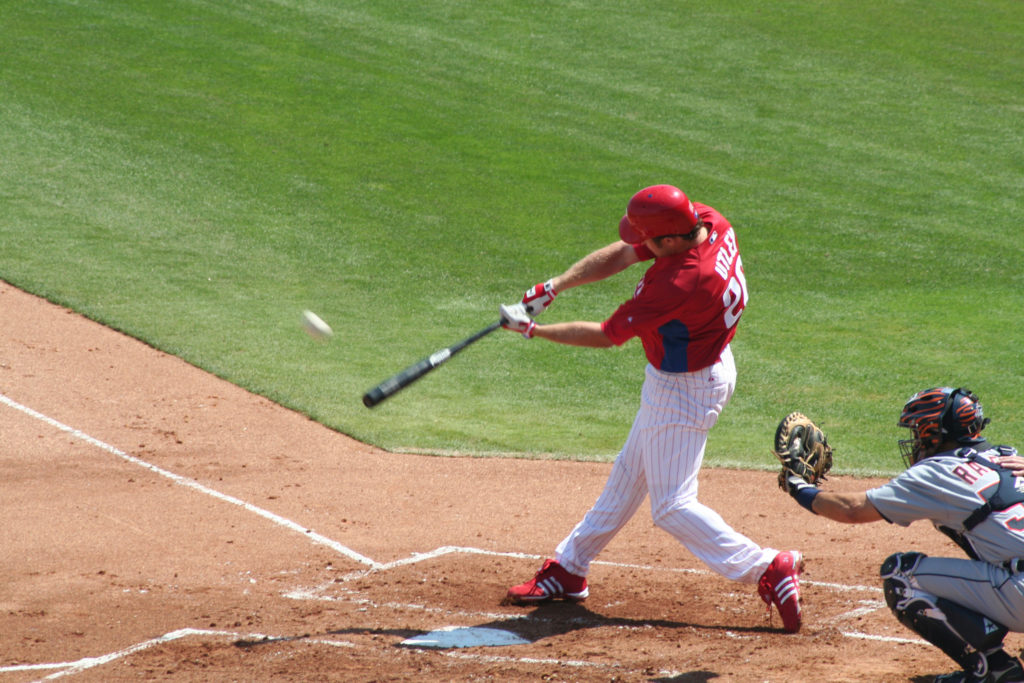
{"x":552,"y":582}
{"x":780,"y":585}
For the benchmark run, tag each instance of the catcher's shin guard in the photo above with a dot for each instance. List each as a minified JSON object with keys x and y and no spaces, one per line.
{"x":958,"y":631}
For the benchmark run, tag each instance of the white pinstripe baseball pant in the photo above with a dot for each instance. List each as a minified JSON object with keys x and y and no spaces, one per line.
{"x":662,"y":457}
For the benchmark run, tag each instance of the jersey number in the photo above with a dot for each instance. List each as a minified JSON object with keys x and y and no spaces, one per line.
{"x":735,"y":297}
{"x":1015,"y":522}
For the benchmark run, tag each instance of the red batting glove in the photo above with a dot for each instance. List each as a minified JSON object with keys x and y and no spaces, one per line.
{"x":539,"y":297}
{"x":515,"y":318}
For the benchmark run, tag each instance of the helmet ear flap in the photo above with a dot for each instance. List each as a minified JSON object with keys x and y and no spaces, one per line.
{"x":946,"y":423}
{"x":962,"y":415}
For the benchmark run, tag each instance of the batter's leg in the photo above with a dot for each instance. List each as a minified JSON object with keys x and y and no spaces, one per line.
{"x":623,"y":493}
{"x":712,"y":541}
{"x":683,"y":410}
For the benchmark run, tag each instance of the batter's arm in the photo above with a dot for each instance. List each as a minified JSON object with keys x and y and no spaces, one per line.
{"x":574,"y":334}
{"x":851,"y":508}
{"x":597,"y":265}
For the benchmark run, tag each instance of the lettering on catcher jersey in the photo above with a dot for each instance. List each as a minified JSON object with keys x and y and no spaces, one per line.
{"x":969,"y":477}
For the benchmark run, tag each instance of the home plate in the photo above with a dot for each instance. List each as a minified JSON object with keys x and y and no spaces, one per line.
{"x":465,"y":636}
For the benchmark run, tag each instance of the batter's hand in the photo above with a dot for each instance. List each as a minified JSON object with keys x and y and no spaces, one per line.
{"x":514,"y":317}
{"x":539,"y":297}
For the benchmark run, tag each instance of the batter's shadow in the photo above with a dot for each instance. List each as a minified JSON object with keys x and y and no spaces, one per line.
{"x":559,"y":618}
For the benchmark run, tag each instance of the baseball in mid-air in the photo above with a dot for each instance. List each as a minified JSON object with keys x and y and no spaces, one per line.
{"x":315,"y":326}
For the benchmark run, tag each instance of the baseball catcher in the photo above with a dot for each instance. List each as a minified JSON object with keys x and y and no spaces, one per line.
{"x":803,"y":450}
{"x":969,"y":489}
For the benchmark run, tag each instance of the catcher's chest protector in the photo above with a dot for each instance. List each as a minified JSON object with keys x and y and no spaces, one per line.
{"x":1010,"y":491}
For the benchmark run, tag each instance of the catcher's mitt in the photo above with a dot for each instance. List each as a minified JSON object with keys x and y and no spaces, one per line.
{"x":803,"y":450}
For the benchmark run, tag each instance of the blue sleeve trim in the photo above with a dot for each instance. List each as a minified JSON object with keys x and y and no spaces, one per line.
{"x":806,"y":495}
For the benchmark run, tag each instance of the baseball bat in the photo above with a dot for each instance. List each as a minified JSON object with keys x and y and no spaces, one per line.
{"x":392,"y":385}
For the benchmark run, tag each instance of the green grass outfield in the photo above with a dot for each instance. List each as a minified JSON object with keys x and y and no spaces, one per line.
{"x":197,"y":173}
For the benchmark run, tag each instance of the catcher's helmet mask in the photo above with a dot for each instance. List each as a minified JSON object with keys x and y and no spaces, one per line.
{"x":937,"y":415}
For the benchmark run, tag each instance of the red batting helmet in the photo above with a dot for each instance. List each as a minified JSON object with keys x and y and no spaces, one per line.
{"x":656,"y":211}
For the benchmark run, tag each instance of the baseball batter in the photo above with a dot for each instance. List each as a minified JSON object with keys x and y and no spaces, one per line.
{"x":963,"y":485}
{"x":684,"y":310}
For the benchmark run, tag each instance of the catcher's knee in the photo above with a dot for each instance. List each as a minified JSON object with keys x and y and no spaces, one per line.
{"x":953,"y":628}
{"x":898,"y":584}
{"x":897,"y":573}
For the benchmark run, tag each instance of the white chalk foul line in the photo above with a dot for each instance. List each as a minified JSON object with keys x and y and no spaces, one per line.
{"x":314,"y":593}
{"x":193,"y":484}
{"x":884,"y":639}
{"x":86,"y":663}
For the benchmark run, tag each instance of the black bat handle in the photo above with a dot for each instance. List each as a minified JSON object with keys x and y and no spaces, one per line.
{"x":458,"y":346}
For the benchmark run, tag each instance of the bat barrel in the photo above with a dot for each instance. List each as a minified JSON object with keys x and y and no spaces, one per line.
{"x":394,"y":384}
{"x":373,"y":397}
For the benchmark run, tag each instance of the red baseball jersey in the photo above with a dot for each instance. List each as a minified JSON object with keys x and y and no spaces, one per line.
{"x":686,"y":307}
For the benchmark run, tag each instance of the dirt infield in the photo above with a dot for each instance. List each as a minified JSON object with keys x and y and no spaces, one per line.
{"x":159,"y":523}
